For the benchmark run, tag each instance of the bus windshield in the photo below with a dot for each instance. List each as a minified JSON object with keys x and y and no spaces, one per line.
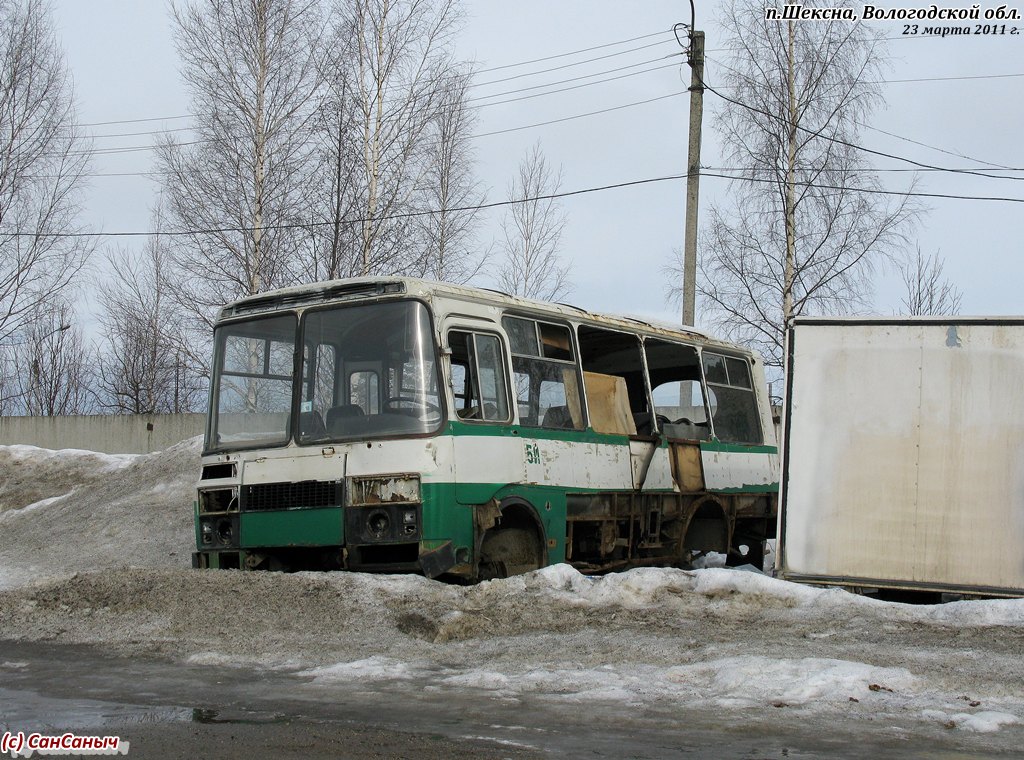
{"x":366,"y":371}
{"x":254,"y":367}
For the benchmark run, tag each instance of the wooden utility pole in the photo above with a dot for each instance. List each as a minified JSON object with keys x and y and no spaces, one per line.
{"x":695,"y":57}
{"x":790,"y":272}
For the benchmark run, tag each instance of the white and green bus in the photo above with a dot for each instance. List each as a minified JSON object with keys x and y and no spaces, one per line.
{"x":399,"y":425}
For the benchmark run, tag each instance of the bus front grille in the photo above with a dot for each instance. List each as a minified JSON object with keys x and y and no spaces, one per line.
{"x":304,"y":495}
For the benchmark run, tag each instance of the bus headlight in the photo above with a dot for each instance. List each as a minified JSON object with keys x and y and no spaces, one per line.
{"x":382,"y":523}
{"x":224,"y":531}
{"x":378,"y":523}
{"x":218,"y":531}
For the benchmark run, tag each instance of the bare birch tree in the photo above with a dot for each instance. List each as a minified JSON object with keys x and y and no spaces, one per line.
{"x":53,"y":363}
{"x":43,"y":160}
{"x":451,"y":191}
{"x":531,"y":233}
{"x":802,"y":230}
{"x":145,"y":366}
{"x":333,"y":199}
{"x":928,"y":292}
{"x":394,"y":82}
{"x":253,"y":71}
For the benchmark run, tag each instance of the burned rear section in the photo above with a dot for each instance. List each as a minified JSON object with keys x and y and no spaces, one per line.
{"x":612,"y":531}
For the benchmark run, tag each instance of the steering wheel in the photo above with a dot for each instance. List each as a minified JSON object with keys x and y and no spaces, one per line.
{"x":682,"y":421}
{"x":662,"y":421}
{"x":411,"y":407}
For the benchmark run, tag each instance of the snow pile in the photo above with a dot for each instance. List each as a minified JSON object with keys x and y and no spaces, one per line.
{"x":67,"y":511}
{"x":32,"y":475}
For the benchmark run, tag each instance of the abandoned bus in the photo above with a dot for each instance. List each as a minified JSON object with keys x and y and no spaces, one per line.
{"x":399,"y":425}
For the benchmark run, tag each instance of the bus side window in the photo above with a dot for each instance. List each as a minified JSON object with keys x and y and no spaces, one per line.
{"x":545,"y":374}
{"x":479,"y":379}
{"x":734,"y":415}
{"x":615,"y":405}
{"x":674,"y":370}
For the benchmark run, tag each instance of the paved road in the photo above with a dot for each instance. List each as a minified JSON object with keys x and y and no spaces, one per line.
{"x":168,"y":710}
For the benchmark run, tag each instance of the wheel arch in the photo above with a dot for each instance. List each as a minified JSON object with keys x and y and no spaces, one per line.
{"x":709,"y":526}
{"x":518,"y":511}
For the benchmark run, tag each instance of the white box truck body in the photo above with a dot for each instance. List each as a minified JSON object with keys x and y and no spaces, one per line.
{"x":903,"y":458}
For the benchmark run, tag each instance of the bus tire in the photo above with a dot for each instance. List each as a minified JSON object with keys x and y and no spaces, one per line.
{"x":505,"y":552}
{"x":514,"y":546}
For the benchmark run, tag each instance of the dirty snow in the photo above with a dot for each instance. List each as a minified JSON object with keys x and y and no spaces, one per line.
{"x":96,"y":551}
{"x":71,"y":510}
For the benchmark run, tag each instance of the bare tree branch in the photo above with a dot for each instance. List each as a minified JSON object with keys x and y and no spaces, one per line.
{"x":758,"y":270}
{"x":927,"y":291}
{"x":253,"y":68}
{"x":532,"y":231}
{"x":43,"y":161}
{"x":145,"y":365}
{"x":51,"y":370}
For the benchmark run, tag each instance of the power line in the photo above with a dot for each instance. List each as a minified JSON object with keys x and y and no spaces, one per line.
{"x":133,"y":149}
{"x":572,"y":52}
{"x":891,"y":81}
{"x":890,"y":134}
{"x":490,"y":69}
{"x":935,"y":147}
{"x":480,"y":134}
{"x":946,"y":79}
{"x":576,"y":79}
{"x":838,"y":141}
{"x":471,"y":100}
{"x":875,"y":191}
{"x":142,"y":148}
{"x":569,"y":65}
{"x":142,"y":134}
{"x":856,"y":170}
{"x":565,"y":89}
{"x":137,"y":121}
{"x":481,"y":71}
{"x":580,"y":116}
{"x":406,"y":215}
{"x":498,"y":204}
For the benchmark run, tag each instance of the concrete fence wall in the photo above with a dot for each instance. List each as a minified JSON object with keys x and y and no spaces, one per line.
{"x":111,"y":434}
{"x":123,"y":433}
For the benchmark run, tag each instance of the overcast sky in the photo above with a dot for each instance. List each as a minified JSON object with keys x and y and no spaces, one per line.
{"x":124,"y":65}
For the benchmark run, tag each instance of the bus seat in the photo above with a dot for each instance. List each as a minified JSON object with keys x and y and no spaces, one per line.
{"x":644,"y":422}
{"x":558,"y":417}
{"x":311,"y":425}
{"x":336,"y":414}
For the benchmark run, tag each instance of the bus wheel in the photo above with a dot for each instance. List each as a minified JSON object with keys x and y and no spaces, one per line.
{"x":505,"y":552}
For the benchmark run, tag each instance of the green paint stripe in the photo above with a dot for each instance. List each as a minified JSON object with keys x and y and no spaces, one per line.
{"x":547,"y":434}
{"x":477,"y":493}
{"x":587,"y":436}
{"x":737,"y":448}
{"x":762,"y":488}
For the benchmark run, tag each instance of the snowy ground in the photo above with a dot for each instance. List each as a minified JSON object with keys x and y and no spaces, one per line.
{"x":96,"y":551}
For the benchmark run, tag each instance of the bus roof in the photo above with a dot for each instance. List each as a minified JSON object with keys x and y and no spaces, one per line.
{"x":360,"y":288}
